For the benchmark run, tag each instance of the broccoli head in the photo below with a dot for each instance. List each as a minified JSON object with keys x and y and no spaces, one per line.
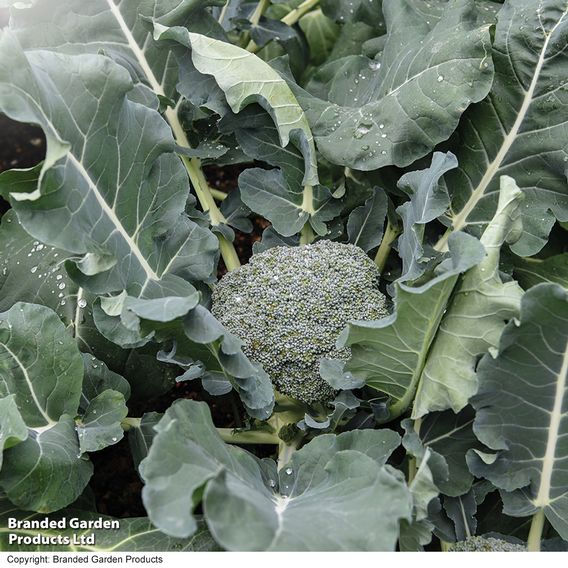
{"x":289,"y":304}
{"x":486,"y":544}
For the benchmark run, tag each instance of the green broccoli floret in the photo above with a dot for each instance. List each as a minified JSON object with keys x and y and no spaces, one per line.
{"x":289,"y":304}
{"x":486,"y":544}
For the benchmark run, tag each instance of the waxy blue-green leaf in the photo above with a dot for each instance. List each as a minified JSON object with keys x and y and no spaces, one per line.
{"x":245,"y":78}
{"x":248,"y":506}
{"x":369,"y":11}
{"x":133,"y":534}
{"x":524,"y":390}
{"x":390,"y":354}
{"x":416,"y":534}
{"x":429,"y":73}
{"x":520,"y":129}
{"x":42,"y":370}
{"x":448,"y":437}
{"x":428,"y":200}
{"x":110,"y":186}
{"x":532,"y":271}
{"x":47,"y":471}
{"x":12,"y":428}
{"x":366,"y":222}
{"x":119,"y":30}
{"x":40,"y":364}
{"x":100,"y":425}
{"x":35,"y":273}
{"x":449,"y":377}
{"x":98,"y":378}
{"x":141,"y":435}
{"x":321,"y":34}
{"x":224,"y":357}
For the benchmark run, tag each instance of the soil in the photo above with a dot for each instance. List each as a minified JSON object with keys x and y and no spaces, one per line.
{"x":115,"y":483}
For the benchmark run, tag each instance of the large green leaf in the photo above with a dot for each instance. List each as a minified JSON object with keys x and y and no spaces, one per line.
{"x":521,"y":409}
{"x":416,"y":534}
{"x":33,"y":272}
{"x":396,"y":109}
{"x":449,"y":377}
{"x":12,"y":428}
{"x":428,"y":200}
{"x":40,"y":365}
{"x":390,"y":354}
{"x":118,"y":29}
{"x":110,"y":187}
{"x":245,"y":78}
{"x":41,"y":372}
{"x":532,"y":271}
{"x":448,"y":437}
{"x":133,"y":534}
{"x":520,"y":129}
{"x":249,"y":506}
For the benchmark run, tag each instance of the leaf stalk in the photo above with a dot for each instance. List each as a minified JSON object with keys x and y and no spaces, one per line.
{"x":535,"y":532}
{"x":391,"y":233}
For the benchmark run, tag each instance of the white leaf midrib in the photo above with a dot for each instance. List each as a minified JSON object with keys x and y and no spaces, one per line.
{"x":136,"y":50}
{"x":460,"y":220}
{"x":29,"y":384}
{"x":543,"y":496}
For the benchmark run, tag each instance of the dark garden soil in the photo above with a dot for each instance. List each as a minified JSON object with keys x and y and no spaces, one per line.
{"x":115,"y":483}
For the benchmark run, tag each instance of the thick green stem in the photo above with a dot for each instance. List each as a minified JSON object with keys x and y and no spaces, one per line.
{"x":203,"y":191}
{"x":254,"y":19}
{"x":285,"y":453}
{"x":232,"y":436}
{"x":292,"y":17}
{"x":217,"y":194}
{"x":535,"y":533}
{"x":129,"y":423}
{"x":413,"y":462}
{"x":306,"y":234}
{"x":223,"y":12}
{"x":391,"y":233}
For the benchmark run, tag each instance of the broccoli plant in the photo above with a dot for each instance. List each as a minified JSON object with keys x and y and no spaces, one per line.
{"x":298,"y":268}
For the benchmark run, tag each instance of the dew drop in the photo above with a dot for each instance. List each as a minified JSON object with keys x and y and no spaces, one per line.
{"x":82,"y":303}
{"x":361,"y":131}
{"x":33,"y":269}
{"x":58,"y":277}
{"x":288,"y":471}
{"x":374,"y":65}
{"x":61,"y":285}
{"x":440,"y":78}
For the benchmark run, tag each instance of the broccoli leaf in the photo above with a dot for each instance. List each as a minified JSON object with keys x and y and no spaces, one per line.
{"x":428,"y":200}
{"x":448,"y":379}
{"x":249,"y":508}
{"x":520,"y":128}
{"x":430,"y":71}
{"x":245,"y":78}
{"x":41,"y":372}
{"x":524,"y":388}
{"x":119,"y":30}
{"x":389,"y":354}
{"x":532,"y":271}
